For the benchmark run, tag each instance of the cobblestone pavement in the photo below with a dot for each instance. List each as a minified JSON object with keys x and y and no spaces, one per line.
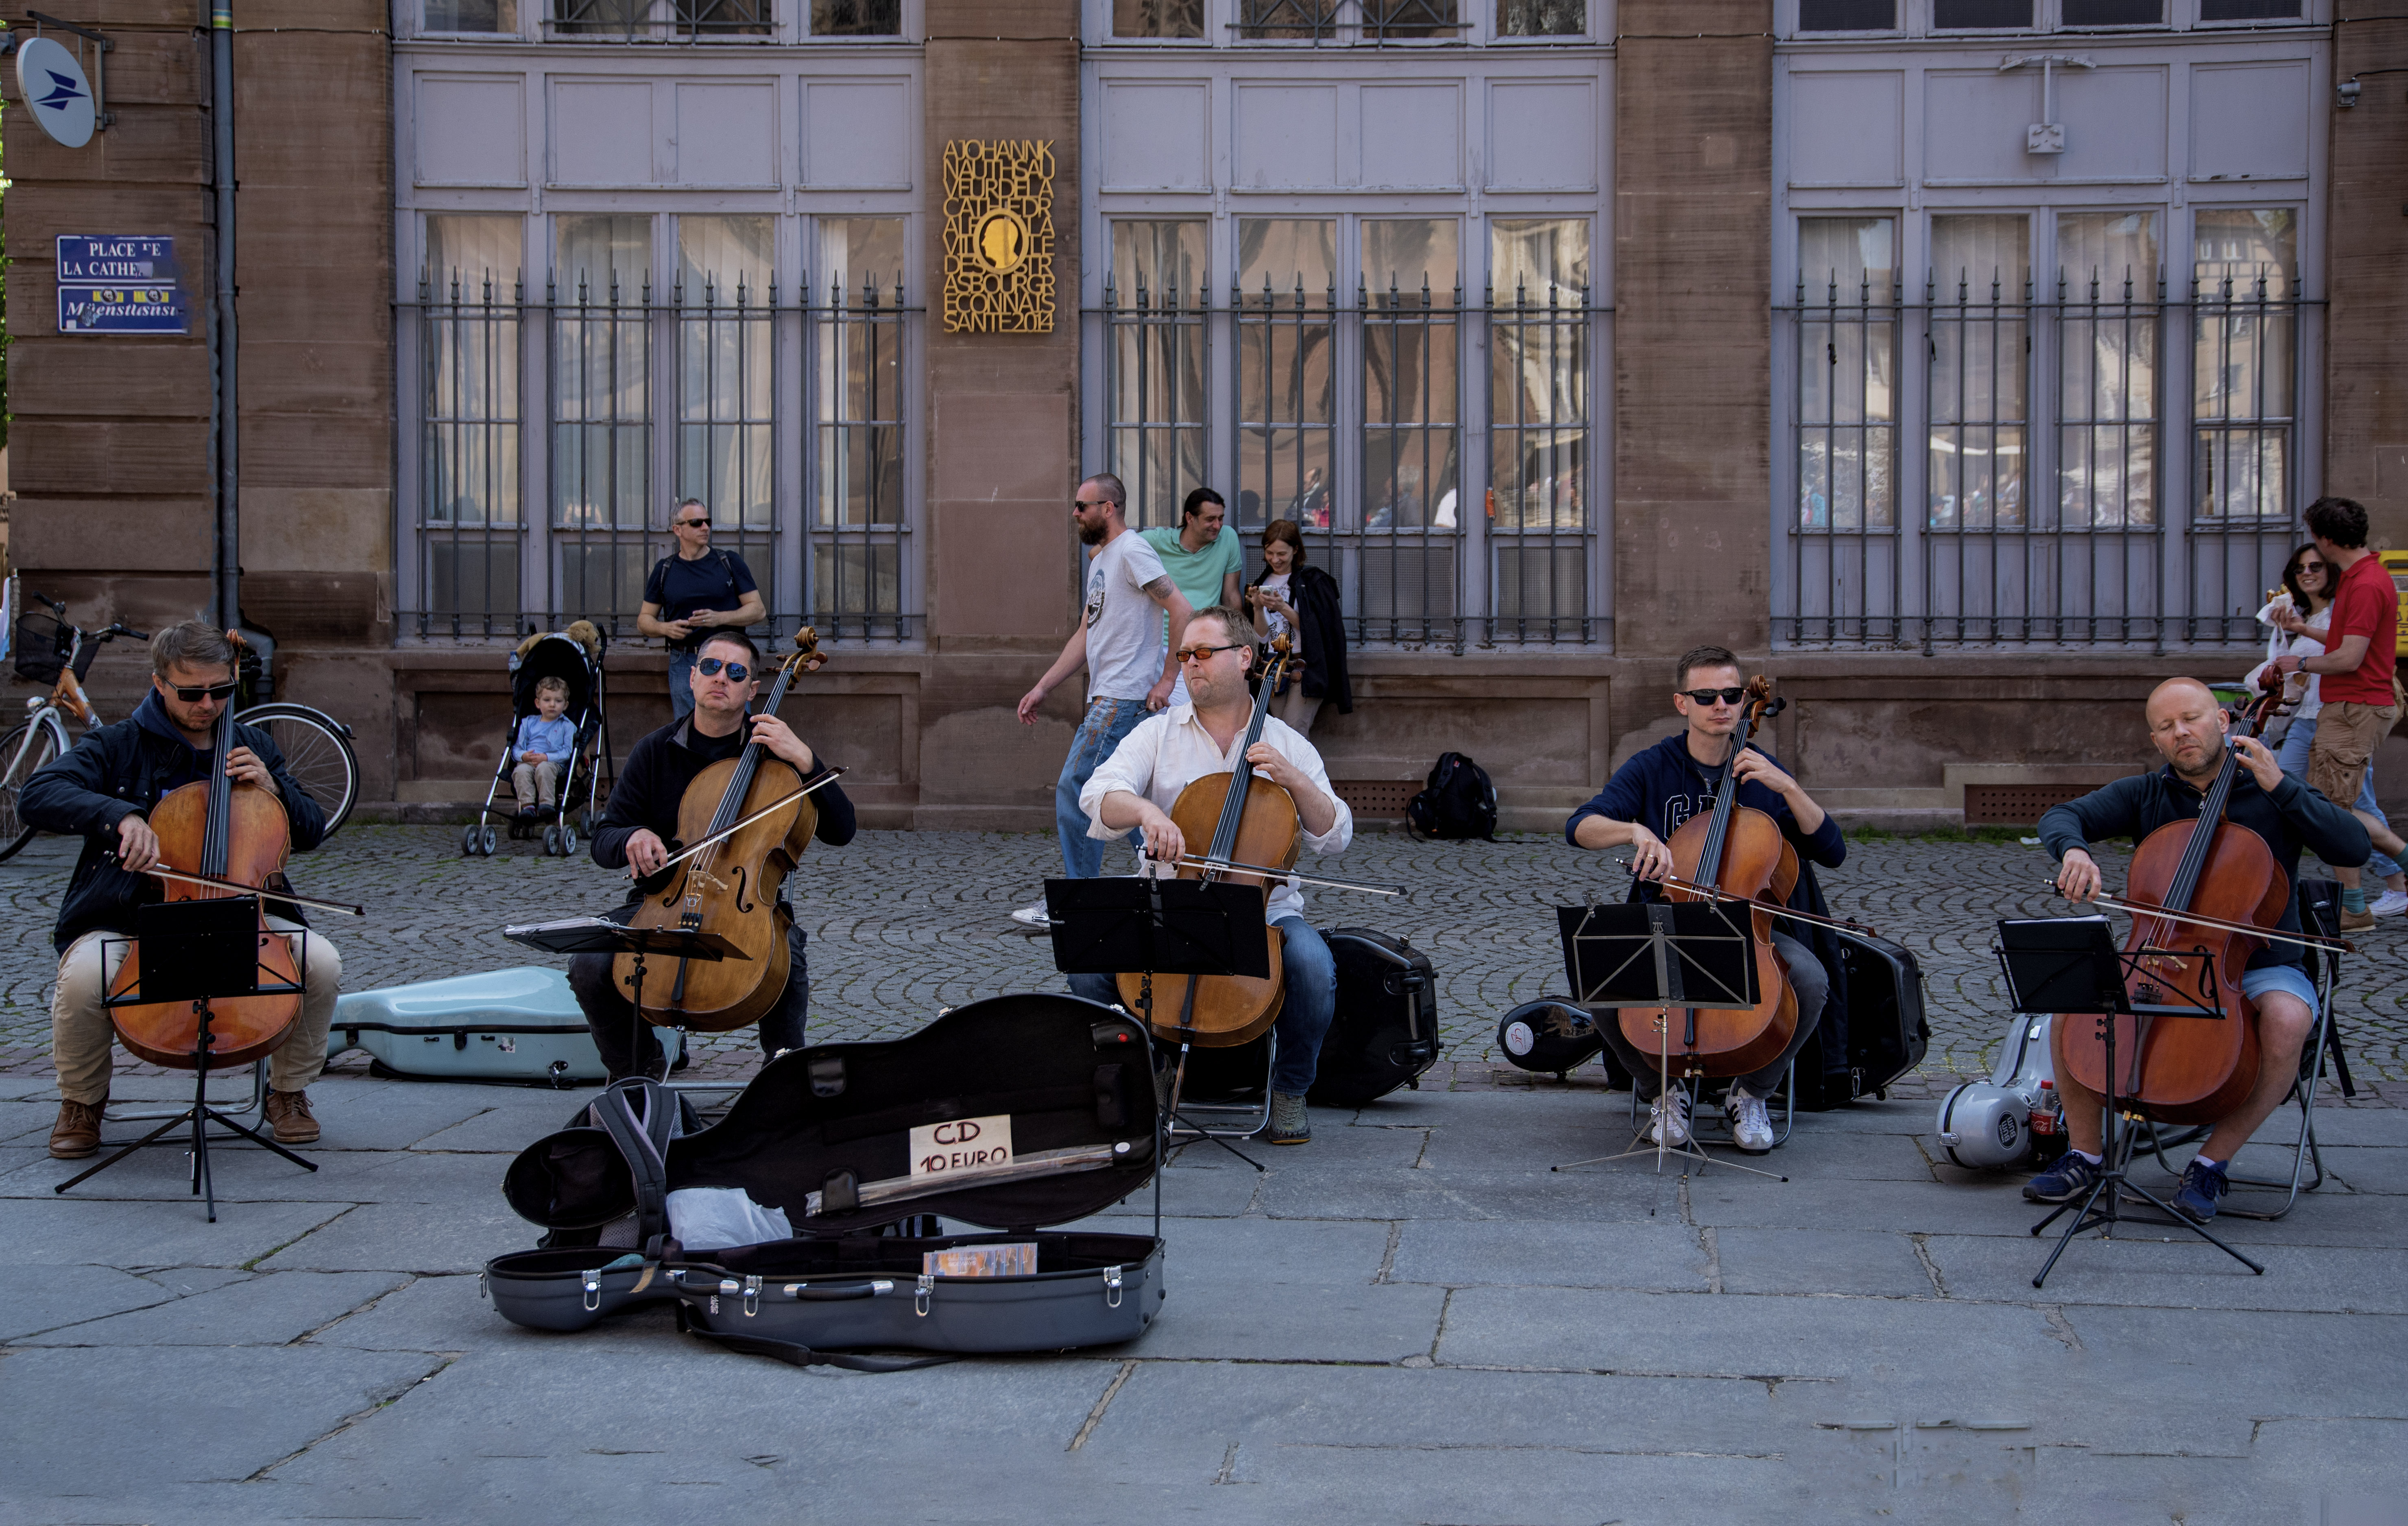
{"x":903,"y":923}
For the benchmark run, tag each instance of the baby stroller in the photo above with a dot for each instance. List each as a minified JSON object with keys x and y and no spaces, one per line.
{"x":574,"y":656}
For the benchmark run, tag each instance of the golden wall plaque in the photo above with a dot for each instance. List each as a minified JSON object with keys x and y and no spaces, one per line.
{"x":998,"y":236}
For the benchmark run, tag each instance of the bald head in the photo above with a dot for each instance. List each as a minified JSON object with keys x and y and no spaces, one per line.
{"x":2188,"y":726}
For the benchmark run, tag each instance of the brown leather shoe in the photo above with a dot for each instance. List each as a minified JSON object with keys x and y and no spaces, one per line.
{"x":77,"y":1134}
{"x":290,"y":1112}
{"x":2357,"y":921}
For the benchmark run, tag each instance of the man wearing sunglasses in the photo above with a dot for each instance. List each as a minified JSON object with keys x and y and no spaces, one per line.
{"x":103,"y":792}
{"x":1137,"y":786}
{"x":1646,"y":801}
{"x":633,"y":830}
{"x":690,"y":594}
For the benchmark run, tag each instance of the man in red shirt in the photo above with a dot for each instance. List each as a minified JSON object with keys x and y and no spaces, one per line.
{"x":2362,"y":647}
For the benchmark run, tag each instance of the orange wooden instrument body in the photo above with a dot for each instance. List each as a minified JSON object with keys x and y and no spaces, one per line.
{"x":2184,"y":1069}
{"x":1740,"y":851}
{"x":235,"y":833}
{"x":730,"y":887}
{"x":1250,"y":821}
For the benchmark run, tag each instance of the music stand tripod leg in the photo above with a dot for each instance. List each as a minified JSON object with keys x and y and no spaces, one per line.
{"x":2111,"y":1183}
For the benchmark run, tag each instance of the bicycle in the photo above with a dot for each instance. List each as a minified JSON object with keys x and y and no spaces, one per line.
{"x":47,"y":648}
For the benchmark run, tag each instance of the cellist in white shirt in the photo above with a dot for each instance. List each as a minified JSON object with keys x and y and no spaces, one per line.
{"x":1138,"y":785}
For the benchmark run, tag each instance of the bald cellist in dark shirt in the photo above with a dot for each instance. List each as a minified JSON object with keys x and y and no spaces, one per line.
{"x":2191,"y":732}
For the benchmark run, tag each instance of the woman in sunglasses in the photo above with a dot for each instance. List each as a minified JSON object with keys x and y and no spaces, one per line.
{"x":103,"y":792}
{"x":1647,"y":800}
{"x":633,"y":830}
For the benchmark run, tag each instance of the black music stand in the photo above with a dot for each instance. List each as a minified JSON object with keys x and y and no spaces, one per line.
{"x":611,"y":935}
{"x":201,"y":952}
{"x":1692,"y":955}
{"x":1160,"y":926}
{"x":2070,"y":967}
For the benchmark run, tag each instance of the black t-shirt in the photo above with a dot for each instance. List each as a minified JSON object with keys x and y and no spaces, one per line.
{"x":714,"y":580}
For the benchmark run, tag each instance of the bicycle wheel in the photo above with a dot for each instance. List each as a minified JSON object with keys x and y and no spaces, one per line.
{"x":18,"y":761}
{"x":317,"y":753}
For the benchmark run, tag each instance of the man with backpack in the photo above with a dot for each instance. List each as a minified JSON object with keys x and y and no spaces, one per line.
{"x":1646,"y":801}
{"x":693,"y":594}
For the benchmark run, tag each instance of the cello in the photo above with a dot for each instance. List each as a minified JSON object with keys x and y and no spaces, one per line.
{"x":1739,"y":850}
{"x":1246,"y":819}
{"x":754,"y":805}
{"x":2196,"y":874}
{"x":217,"y":839}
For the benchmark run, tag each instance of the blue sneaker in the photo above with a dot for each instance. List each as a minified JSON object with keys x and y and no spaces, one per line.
{"x":2202,"y":1186}
{"x":2071,"y":1178}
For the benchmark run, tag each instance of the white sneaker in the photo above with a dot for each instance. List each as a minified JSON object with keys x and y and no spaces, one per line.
{"x":2390,"y":903}
{"x":1036,"y":916}
{"x":1751,"y":1125}
{"x":1668,"y":1120}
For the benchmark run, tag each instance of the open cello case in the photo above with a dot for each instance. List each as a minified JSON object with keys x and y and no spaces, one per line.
{"x":1018,"y":1113}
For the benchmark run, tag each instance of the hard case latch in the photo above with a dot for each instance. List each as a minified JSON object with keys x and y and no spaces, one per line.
{"x":1112,"y":1287}
{"x":920,"y":1291}
{"x":593,"y":1281}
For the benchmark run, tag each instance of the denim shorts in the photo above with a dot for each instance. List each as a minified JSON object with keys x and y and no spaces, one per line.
{"x":2256,"y":983}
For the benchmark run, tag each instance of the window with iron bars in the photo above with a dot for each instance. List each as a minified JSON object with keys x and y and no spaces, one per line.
{"x":1349,"y":417}
{"x":2044,"y":465}
{"x":633,"y":21}
{"x":1333,"y":21}
{"x":717,"y":414}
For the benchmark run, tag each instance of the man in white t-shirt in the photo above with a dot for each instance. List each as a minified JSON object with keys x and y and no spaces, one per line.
{"x":1119,"y":641}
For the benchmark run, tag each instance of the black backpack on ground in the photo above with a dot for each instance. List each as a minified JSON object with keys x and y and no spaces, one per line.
{"x":1458,"y":802}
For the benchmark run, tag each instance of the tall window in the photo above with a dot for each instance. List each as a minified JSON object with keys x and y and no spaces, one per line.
{"x":1155,"y":302}
{"x":1540,"y":529}
{"x":2244,"y":365}
{"x":469,"y":359}
{"x":856,"y":18}
{"x":858,"y":496}
{"x":1847,"y":567}
{"x":1409,"y":518}
{"x":2107,"y":368}
{"x":1157,"y":17}
{"x":1847,"y":15}
{"x":1980,"y":297}
{"x":471,"y":16}
{"x":1951,"y":15}
{"x":725,"y":338}
{"x":602,"y":411}
{"x":1288,"y":296}
{"x":1541,"y":18}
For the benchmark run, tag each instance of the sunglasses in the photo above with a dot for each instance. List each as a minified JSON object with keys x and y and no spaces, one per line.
{"x":215,"y":691}
{"x":1091,"y":503}
{"x":1205,"y":654}
{"x":711,"y":666}
{"x":1707,"y":697}
{"x":694,"y":524}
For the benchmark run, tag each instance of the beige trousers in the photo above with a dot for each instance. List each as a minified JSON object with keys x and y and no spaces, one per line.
{"x":2347,"y":734}
{"x":533,"y":783}
{"x":80,"y":1031}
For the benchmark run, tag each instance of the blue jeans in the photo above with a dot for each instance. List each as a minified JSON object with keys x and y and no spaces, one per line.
{"x":1108,"y":721}
{"x":2293,"y":759}
{"x":1311,"y":980}
{"x":680,"y":683}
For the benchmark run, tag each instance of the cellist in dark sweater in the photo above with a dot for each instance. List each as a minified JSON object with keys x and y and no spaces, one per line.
{"x":1646,"y":801}
{"x":635,"y":828}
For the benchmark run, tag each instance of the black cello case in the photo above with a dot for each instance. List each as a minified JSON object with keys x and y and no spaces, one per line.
{"x":838,"y":1137}
{"x":1385,"y":1033}
{"x":1880,"y":1035}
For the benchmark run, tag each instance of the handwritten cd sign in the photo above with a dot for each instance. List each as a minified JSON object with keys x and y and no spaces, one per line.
{"x":121,"y":284}
{"x":964,"y":1145}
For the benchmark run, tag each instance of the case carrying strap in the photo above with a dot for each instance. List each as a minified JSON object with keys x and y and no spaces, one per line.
{"x":641,"y":1116}
{"x":800,"y":1355}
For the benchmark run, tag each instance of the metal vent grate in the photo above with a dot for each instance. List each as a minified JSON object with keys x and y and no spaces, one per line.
{"x":2015,"y":805}
{"x":1376,"y":798}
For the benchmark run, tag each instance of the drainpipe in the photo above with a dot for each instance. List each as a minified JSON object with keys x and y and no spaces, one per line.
{"x":226,"y":407}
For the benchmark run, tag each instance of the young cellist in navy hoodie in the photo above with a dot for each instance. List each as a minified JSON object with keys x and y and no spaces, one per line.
{"x":1646,"y":801}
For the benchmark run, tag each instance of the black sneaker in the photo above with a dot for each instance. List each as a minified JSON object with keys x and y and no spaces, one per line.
{"x":2203,"y":1188}
{"x":2072,"y":1175}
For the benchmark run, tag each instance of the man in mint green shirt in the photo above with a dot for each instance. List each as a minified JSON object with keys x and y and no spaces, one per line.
{"x":1203,"y":555}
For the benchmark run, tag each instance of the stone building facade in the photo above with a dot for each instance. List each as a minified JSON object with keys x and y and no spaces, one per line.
{"x":1964,"y":363}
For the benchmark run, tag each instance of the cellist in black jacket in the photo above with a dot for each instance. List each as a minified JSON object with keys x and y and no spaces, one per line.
{"x":635,"y":829}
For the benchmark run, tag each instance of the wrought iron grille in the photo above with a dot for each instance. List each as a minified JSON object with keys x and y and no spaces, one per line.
{"x":634,"y":20}
{"x":1404,"y":546}
{"x":721,"y":417}
{"x":2045,"y":519}
{"x":469,"y":345}
{"x":1153,"y":375}
{"x":1311,"y":19}
{"x":858,"y":523}
{"x":1387,"y":20}
{"x":1542,"y":534}
{"x":1374,"y":20}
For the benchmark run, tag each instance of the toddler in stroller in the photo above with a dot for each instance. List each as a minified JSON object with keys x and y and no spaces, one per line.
{"x":556,"y":711}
